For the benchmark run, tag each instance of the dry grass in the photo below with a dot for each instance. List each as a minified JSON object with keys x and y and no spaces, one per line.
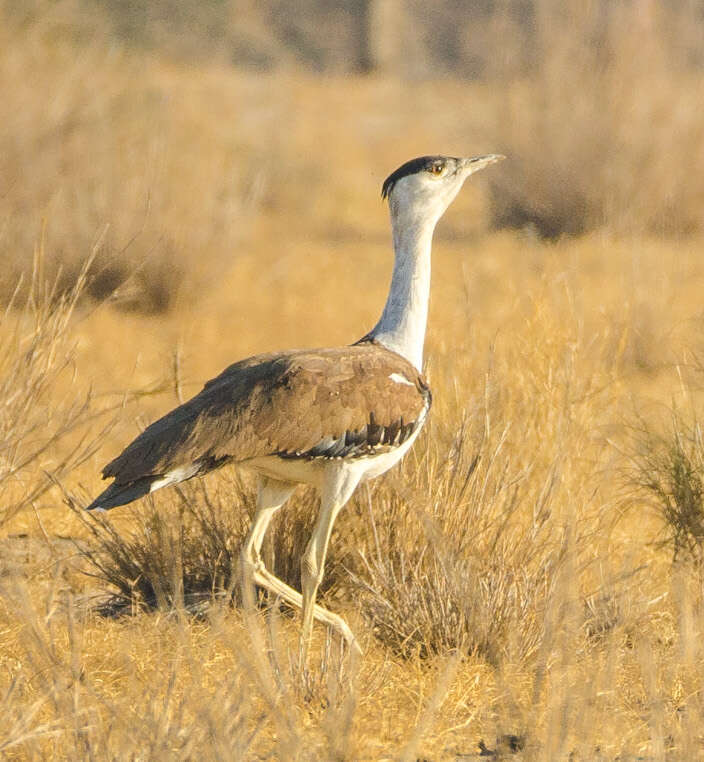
{"x":506,"y":582}
{"x":110,"y":145}
{"x":507,"y":540}
{"x":121,"y":141}
{"x":43,"y":432}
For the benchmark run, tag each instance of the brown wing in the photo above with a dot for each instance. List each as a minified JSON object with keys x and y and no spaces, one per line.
{"x":320,"y":403}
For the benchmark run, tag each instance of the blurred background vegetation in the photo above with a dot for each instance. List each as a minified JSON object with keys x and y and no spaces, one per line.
{"x":185,"y":183}
{"x":117,"y":114}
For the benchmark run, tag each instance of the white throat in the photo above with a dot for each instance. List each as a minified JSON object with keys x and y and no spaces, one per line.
{"x":419,"y":192}
{"x":401,"y":327}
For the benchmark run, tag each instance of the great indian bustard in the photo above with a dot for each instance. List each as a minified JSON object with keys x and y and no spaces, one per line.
{"x":326,"y":417}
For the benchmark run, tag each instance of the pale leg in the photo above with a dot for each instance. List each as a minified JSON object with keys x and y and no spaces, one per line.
{"x":272,"y":495}
{"x":337,"y":488}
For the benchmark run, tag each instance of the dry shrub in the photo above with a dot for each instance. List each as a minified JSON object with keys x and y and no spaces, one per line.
{"x":37,"y":420}
{"x":183,"y":546}
{"x":669,"y":468}
{"x":454,"y":564}
{"x":606,"y":129}
{"x":467,"y":546}
{"x":165,"y":560}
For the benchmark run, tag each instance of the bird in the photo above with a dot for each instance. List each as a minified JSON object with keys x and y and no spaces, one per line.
{"x":331,"y":418}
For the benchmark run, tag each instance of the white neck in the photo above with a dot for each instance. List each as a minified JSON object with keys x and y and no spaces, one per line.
{"x":401,"y":327}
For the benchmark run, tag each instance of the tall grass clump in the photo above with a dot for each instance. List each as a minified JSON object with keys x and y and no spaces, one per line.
{"x":669,"y":468}
{"x":453,"y":565}
{"x":182,"y":548}
{"x":468,"y":546}
{"x":42,"y":435}
{"x":596,"y":137}
{"x":167,"y":561}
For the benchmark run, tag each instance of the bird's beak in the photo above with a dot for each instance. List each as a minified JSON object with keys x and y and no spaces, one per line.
{"x":470,"y":166}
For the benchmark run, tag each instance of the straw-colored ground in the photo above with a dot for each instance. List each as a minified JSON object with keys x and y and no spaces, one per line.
{"x":507,"y":580}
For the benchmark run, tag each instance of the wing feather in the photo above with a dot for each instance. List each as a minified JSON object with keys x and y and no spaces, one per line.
{"x":301,"y":403}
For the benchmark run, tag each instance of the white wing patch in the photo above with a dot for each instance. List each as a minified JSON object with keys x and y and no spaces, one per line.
{"x":174,"y":477}
{"x":397,"y":378}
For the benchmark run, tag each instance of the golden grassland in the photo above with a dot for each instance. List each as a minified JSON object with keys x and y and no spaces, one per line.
{"x":544,"y":352}
{"x":507,"y":579}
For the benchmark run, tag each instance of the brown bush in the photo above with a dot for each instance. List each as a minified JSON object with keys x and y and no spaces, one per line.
{"x":606,"y":129}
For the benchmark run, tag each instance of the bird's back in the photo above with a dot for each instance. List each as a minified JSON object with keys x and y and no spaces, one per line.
{"x":345,"y":402}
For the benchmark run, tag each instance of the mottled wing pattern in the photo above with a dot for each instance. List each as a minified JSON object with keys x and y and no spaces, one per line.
{"x":350,"y":401}
{"x":372,"y":402}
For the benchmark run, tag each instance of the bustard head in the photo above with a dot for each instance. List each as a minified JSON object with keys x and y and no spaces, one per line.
{"x":426,"y":186}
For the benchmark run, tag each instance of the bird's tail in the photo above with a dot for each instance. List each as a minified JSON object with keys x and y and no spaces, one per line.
{"x":120,"y":494}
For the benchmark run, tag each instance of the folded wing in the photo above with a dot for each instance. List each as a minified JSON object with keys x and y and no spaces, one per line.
{"x":347,"y":402}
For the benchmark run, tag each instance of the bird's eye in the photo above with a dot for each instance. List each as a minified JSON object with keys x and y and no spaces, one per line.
{"x":436,"y":169}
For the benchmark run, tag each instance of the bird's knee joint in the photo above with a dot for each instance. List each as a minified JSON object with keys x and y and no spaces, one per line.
{"x":251,"y":562}
{"x":310,"y":570}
